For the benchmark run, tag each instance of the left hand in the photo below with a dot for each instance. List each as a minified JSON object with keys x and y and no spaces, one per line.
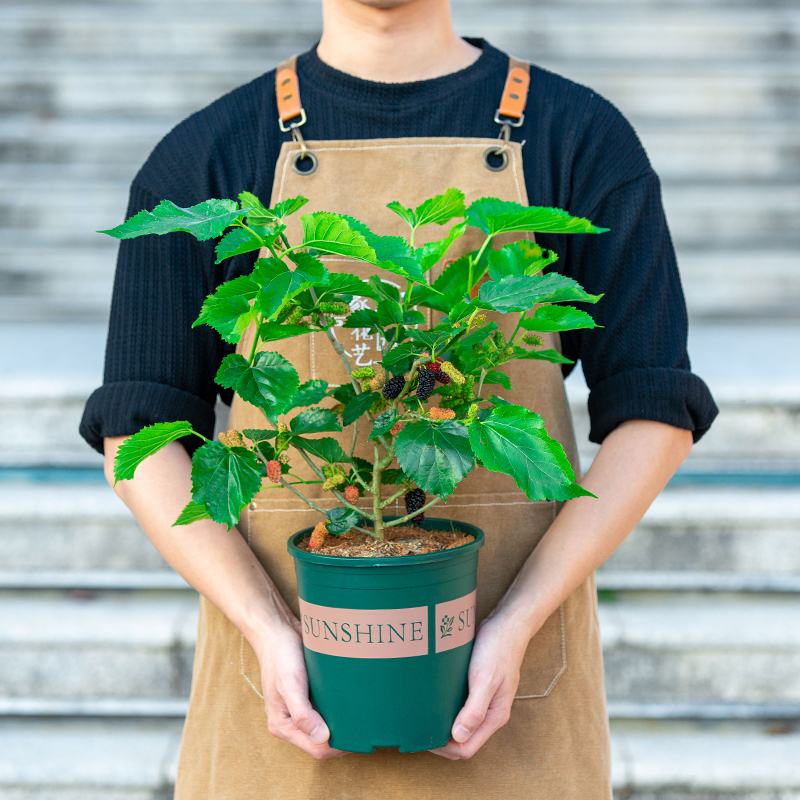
{"x":493,"y":679}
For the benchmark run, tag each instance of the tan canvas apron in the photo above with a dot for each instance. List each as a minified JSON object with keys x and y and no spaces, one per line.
{"x":556,"y":743}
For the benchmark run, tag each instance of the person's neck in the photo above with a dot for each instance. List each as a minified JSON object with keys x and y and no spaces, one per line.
{"x":410,"y":42}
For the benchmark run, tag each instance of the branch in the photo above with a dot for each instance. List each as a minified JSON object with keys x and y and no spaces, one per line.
{"x":320,"y":509}
{"x":408,"y":517}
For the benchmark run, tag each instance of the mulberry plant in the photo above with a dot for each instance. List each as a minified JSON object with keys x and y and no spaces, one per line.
{"x":441,"y":343}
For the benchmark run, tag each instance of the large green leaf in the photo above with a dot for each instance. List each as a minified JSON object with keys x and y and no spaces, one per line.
{"x":341,"y":520}
{"x":358,"y":406}
{"x":342,"y":283}
{"x":399,"y":358}
{"x":495,"y":216}
{"x":257,"y":213}
{"x":553,"y":356}
{"x":309,"y":394}
{"x":238,"y":241}
{"x":389,"y":313}
{"x":519,"y":258}
{"x":383,"y":424}
{"x":440,"y":209}
{"x":326,"y":448}
{"x":433,"y":252}
{"x":225,"y":480}
{"x":494,"y":376}
{"x":363,"y":318}
{"x":558,"y":318}
{"x":315,"y":420}
{"x":204,"y":221}
{"x":192,"y":512}
{"x":269,"y":384}
{"x":436,"y":457}
{"x":522,"y":292}
{"x":273,"y":332}
{"x":513,"y":440}
{"x":330,"y":233}
{"x":452,"y":286}
{"x":147,"y":441}
{"x":278,"y":284}
{"x":229,"y":310}
{"x":392,"y":253}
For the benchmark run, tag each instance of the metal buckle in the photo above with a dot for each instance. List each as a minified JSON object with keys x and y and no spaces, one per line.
{"x":508,"y":120}
{"x":292,"y":125}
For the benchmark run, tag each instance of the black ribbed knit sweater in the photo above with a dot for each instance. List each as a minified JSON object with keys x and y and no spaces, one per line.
{"x":580,"y":154}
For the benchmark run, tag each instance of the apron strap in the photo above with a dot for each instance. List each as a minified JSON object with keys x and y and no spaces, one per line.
{"x":510,"y":113}
{"x":291,"y":114}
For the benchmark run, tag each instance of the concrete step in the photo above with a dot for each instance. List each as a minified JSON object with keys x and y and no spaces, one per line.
{"x":137,"y":760}
{"x":664,"y":33}
{"x":173,"y":85}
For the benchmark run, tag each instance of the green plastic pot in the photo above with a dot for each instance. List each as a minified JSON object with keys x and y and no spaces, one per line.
{"x":387,"y":641}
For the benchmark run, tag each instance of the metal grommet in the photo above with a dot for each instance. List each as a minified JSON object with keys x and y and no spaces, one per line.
{"x":500,"y":150}
{"x":304,"y":155}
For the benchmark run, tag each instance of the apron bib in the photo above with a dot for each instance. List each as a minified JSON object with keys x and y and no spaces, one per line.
{"x":556,"y":743}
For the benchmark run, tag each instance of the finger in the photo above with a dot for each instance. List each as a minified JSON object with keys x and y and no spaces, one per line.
{"x":474,"y":711}
{"x":496,"y":716}
{"x":304,"y":716}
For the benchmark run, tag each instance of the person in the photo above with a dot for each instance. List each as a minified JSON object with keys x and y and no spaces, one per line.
{"x":395,"y":104}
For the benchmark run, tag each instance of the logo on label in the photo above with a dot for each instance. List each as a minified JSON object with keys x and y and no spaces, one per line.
{"x":446,"y":628}
{"x":456,"y":622}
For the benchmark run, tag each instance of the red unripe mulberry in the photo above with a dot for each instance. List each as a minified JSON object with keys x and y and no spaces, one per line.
{"x":274,"y":471}
{"x":351,"y":494}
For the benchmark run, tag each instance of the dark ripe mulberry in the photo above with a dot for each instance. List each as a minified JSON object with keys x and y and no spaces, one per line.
{"x":443,"y":377}
{"x":426,"y":382}
{"x":415,"y":499}
{"x":394,"y":386}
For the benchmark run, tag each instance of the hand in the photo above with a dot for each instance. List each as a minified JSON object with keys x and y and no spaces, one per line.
{"x":493,"y":680}
{"x":284,"y":682}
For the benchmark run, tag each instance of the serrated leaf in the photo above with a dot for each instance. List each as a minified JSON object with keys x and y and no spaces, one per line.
{"x":414,"y":317}
{"x":289,"y":206}
{"x":383,"y":289}
{"x":553,"y":356}
{"x":309,"y":394}
{"x":522,"y":292}
{"x":392,"y":253}
{"x":341,"y":520}
{"x":309,"y":270}
{"x":494,"y":376}
{"x":257,"y":213}
{"x":225,"y":480}
{"x":405,"y":213}
{"x":393,"y":477}
{"x":389,"y":313}
{"x":432,"y":253}
{"x":399,"y":358}
{"x":363,"y":318}
{"x":557,"y":318}
{"x":315,"y":420}
{"x":257,"y":435}
{"x":344,"y":393}
{"x":269,"y":383}
{"x":358,"y":406}
{"x":494,"y":216}
{"x":331,"y":233}
{"x":278,"y":284}
{"x":435,"y":457}
{"x":513,"y":440}
{"x":274,"y":332}
{"x":498,"y":401}
{"x":436,"y":338}
{"x":383,"y":424}
{"x":228,"y":310}
{"x":143,"y":444}
{"x":192,"y":512}
{"x":477,"y":336}
{"x":326,"y":448}
{"x":519,"y":258}
{"x":452,"y":286}
{"x":440,"y":209}
{"x":204,"y":221}
{"x":342,"y":283}
{"x":237,"y":242}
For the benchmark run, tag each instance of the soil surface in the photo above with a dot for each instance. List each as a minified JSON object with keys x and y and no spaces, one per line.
{"x":404,"y":540}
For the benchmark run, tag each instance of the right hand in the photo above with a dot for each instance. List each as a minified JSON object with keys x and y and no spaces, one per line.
{"x":284,"y":682}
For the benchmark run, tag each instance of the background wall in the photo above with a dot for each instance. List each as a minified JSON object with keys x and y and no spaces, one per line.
{"x":699,"y":609}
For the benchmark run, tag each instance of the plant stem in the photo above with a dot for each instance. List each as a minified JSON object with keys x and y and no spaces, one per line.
{"x":519,"y":323}
{"x":394,"y":497}
{"x":320,"y":509}
{"x":413,"y":514}
{"x":480,"y":383}
{"x":377,"y":509}
{"x":256,"y":339}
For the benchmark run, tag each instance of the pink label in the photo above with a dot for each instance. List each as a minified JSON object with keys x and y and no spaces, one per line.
{"x":455,"y":622}
{"x":365,"y":633}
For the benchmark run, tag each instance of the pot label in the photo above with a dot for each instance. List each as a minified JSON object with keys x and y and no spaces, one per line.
{"x":365,"y":633}
{"x":455,"y":622}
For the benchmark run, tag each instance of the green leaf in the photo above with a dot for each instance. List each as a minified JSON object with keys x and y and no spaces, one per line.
{"x":363,"y":318}
{"x":309,"y":271}
{"x":341,"y":520}
{"x":558,"y":318}
{"x":273,"y":332}
{"x":315,"y":420}
{"x":269,"y":383}
{"x":225,"y":480}
{"x":193,"y":512}
{"x":552,"y":356}
{"x":498,"y":401}
{"x":309,"y":394}
{"x":414,"y":317}
{"x":519,"y":258}
{"x":405,"y":213}
{"x":358,"y":406}
{"x":342,"y":283}
{"x":522,"y":292}
{"x":258,"y":435}
{"x":228,"y":310}
{"x":204,"y":221}
{"x":392,"y":253}
{"x":147,"y":441}
{"x":452,"y":286}
{"x":289,"y":206}
{"x":494,"y":216}
{"x":477,"y":336}
{"x":383,"y":289}
{"x":494,"y":376}
{"x":389,"y":313}
{"x":344,"y":393}
{"x":399,"y":358}
{"x":326,"y":448}
{"x":513,"y":440}
{"x":331,"y":233}
{"x":393,"y":477}
{"x":440,"y":209}
{"x":238,"y":241}
{"x":278,"y":284}
{"x":436,"y":457}
{"x":435,"y":338}
{"x":257,"y":213}
{"x":383,"y":424}
{"x":433,"y":252}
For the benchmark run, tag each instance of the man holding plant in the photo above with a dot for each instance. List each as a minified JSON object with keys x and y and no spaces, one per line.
{"x":395,"y":109}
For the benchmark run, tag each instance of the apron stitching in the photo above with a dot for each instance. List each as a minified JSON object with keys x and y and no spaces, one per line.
{"x":241,"y":635}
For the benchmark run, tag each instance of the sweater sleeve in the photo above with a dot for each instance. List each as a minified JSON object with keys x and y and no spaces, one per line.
{"x":636,"y":365}
{"x":157,"y":368}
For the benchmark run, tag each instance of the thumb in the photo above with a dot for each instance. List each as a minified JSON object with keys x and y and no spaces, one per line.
{"x":306,"y":718}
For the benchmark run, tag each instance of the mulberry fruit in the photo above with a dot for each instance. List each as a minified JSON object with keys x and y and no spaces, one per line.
{"x":394,"y":386}
{"x":295,"y":316}
{"x":450,"y":370}
{"x":415,"y":499}
{"x":443,"y":377}
{"x":531,"y":338}
{"x":442,"y":413}
{"x":334,"y":308}
{"x":426,"y":382}
{"x":396,"y":428}
{"x":363,"y":372}
{"x":351,"y":494}
{"x":318,"y":536}
{"x":274,"y":471}
{"x":435,"y":365}
{"x":376,"y":384}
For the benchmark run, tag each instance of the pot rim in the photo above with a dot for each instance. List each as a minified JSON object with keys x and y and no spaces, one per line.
{"x":431,"y":523}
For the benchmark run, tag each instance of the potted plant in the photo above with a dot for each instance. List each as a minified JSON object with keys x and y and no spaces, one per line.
{"x":381,"y":621}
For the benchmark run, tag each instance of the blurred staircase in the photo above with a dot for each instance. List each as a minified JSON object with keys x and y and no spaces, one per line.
{"x":700,"y":608}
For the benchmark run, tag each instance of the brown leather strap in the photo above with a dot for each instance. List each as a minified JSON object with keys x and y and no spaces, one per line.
{"x":515,"y":93}
{"x":287,"y":90}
